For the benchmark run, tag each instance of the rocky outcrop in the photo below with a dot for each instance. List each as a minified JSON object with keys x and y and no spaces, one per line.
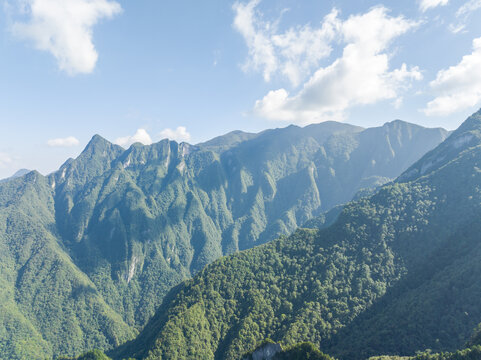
{"x":265,"y":352}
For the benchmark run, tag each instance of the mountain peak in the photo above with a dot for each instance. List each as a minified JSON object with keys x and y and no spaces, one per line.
{"x":17,"y":174}
{"x":397,"y":123}
{"x":98,"y":140}
{"x":99,"y":146}
{"x":93,"y":160}
{"x":20,"y":172}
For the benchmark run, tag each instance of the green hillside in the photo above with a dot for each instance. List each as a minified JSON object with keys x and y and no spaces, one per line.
{"x":89,"y":252}
{"x":396,"y":273}
{"x":45,"y":296}
{"x":472,"y":351}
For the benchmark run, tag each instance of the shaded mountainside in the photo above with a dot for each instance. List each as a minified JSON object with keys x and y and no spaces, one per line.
{"x":397,"y":272}
{"x":472,"y":351}
{"x":89,"y":252}
{"x":44,"y":295}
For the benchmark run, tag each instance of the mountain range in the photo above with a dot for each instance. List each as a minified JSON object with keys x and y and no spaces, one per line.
{"x":90,"y":252}
{"x":396,"y":272}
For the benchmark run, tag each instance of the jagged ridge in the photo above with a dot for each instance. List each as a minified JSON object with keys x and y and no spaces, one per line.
{"x":129,"y":224}
{"x":378,"y":277}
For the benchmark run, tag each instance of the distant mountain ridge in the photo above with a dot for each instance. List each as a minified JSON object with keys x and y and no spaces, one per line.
{"x":397,"y":272}
{"x":17,"y":174}
{"x":89,"y":252}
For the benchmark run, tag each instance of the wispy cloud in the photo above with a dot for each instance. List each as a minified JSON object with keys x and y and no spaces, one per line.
{"x":5,"y":160}
{"x":457,"y":28}
{"x":457,"y":87}
{"x":468,"y":8}
{"x":141,"y":136}
{"x":425,"y":5}
{"x":292,"y":53}
{"x":463,"y":14}
{"x":63,"y":142}
{"x":360,"y":76}
{"x":65,"y":29}
{"x":180,"y":134}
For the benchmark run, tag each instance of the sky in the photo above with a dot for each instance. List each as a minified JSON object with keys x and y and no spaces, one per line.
{"x":146,"y":70}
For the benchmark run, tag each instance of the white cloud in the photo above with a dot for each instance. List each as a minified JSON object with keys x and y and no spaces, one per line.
{"x":63,"y":142}
{"x":463,"y":14}
{"x":292,"y":53}
{"x":180,"y":134}
{"x":459,"y":86}
{"x":261,"y":50}
{"x":141,"y":136}
{"x":457,"y":28}
{"x":5,"y":160}
{"x":360,"y":76}
{"x":425,"y":5}
{"x":468,"y":8}
{"x":65,"y":29}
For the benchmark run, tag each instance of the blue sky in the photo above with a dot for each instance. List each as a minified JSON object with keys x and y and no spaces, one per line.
{"x":191,"y":70}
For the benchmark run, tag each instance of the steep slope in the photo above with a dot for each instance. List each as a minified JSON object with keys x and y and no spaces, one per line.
{"x":406,"y":320}
{"x":128,"y":225}
{"x":157,"y":214}
{"x":45,"y":297}
{"x":471,"y":351}
{"x":466,"y":136}
{"x":422,"y":234}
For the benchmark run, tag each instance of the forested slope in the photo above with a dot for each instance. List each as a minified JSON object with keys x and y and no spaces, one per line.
{"x":45,"y":296}
{"x":397,"y":272}
{"x":89,"y":252}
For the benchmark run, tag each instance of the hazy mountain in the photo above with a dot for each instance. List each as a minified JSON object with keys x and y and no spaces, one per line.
{"x":89,"y":252}
{"x":397,"y":272}
{"x":18,"y":173}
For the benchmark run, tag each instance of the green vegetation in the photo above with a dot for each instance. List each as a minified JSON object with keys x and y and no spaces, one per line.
{"x":91,"y":355}
{"x":44,"y":296}
{"x":301,"y":351}
{"x":88,"y":253}
{"x":472,"y":352}
{"x":396,"y":272}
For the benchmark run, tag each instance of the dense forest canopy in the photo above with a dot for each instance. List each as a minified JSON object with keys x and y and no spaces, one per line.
{"x":89,"y":252}
{"x":397,"y":272}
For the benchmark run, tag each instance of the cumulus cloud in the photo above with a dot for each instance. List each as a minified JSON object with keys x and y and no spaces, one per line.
{"x":425,"y":5}
{"x":5,"y":160}
{"x":180,"y":134}
{"x":65,"y":29}
{"x":141,"y":136}
{"x":63,"y":142}
{"x":360,"y":76}
{"x":292,"y":53}
{"x":457,"y":87}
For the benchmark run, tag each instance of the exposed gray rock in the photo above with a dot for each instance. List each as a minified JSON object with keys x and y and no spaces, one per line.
{"x":265,"y":352}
